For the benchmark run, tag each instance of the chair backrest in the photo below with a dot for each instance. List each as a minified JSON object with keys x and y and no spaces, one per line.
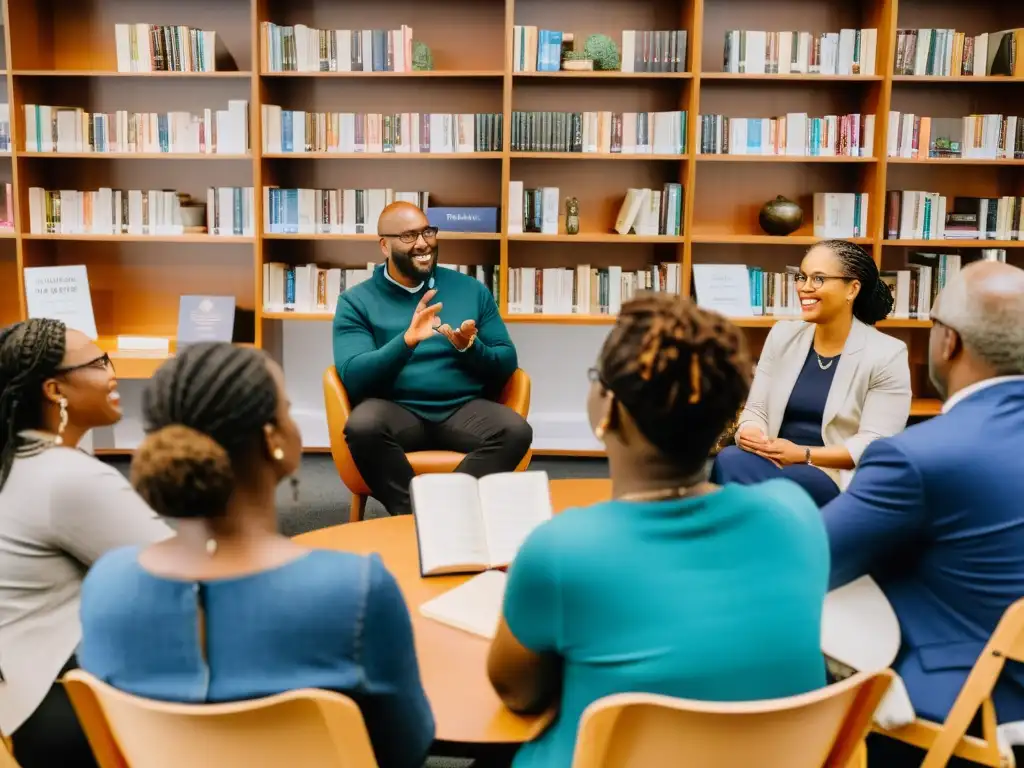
{"x":305,"y":727}
{"x":1006,"y":643}
{"x":6,"y":756}
{"x":821,"y":728}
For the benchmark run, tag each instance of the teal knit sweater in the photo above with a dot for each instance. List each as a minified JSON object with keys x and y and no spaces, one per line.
{"x":434,"y":379}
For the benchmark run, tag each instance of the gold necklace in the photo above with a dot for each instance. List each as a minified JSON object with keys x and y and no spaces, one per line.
{"x":660,"y":495}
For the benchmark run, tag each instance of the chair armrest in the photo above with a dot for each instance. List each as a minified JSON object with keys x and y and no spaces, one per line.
{"x":338,"y":409}
{"x":516,"y":393}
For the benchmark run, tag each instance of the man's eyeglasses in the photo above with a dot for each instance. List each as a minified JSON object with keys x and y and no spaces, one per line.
{"x":429,"y":233}
{"x":818,"y":280}
{"x":100,"y":363}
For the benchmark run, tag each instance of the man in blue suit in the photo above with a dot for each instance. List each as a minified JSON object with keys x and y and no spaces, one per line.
{"x":936,"y":513}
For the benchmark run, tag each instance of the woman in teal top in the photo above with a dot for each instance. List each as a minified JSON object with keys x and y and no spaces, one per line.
{"x":676,"y":586}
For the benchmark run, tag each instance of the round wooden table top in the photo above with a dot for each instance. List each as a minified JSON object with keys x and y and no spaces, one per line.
{"x":453,"y":663}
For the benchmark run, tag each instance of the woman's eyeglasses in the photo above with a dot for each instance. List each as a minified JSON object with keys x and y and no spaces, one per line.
{"x":100,"y":363}
{"x":817,"y":280}
{"x":429,"y":233}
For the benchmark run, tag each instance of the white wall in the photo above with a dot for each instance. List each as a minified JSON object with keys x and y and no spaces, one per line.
{"x":556,"y":357}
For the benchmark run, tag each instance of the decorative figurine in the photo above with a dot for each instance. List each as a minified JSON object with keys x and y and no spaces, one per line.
{"x":572,"y":216}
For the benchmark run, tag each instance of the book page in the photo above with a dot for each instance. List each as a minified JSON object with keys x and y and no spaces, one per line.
{"x":513,"y":503}
{"x":448,"y":523}
{"x":474,"y":606}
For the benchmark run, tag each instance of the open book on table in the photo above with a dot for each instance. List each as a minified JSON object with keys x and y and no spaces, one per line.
{"x":466,"y":525}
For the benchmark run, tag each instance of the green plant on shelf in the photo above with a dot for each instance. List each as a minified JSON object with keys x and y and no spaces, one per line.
{"x":422,"y":58}
{"x":603,"y":51}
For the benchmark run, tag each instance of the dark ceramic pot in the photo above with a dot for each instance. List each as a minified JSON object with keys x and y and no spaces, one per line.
{"x":780,"y":217}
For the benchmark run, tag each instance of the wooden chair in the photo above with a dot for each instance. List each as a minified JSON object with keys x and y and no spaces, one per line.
{"x":942,"y":741}
{"x":306,"y":727}
{"x":822,"y":728}
{"x":7,"y":754}
{"x":515,"y":395}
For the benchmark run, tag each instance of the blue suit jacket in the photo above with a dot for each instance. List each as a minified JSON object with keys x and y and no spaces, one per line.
{"x":936,"y":516}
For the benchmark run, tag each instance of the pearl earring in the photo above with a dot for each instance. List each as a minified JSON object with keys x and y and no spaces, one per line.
{"x":278,"y":454}
{"x":211,"y":546}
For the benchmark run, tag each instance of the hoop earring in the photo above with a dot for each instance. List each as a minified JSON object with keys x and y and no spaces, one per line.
{"x":59,"y":440}
{"x":294,"y":481}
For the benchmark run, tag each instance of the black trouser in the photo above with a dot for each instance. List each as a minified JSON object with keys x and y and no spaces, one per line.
{"x":379,"y":433}
{"x":52,"y":736}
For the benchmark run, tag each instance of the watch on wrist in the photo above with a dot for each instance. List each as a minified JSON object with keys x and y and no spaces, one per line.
{"x":807,"y":455}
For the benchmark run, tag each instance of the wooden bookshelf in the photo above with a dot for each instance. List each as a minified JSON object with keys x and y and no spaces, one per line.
{"x":62,"y":53}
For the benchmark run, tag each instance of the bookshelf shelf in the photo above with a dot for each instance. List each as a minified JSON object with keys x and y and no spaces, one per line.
{"x":599,"y":75}
{"x":625,"y":156}
{"x":954,"y":161}
{"x":455,"y":73}
{"x":132,"y":156}
{"x":595,"y":237}
{"x":953,"y":244}
{"x":802,"y":79}
{"x":372,"y":238}
{"x":107,"y":73}
{"x":838,"y":160}
{"x":69,"y":58}
{"x":183,"y":239}
{"x":958,"y":79}
{"x":382,"y":156}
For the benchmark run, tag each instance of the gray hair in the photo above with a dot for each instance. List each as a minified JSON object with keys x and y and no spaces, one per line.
{"x":991,"y":324}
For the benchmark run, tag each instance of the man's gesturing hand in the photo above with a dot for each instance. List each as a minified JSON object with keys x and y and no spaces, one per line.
{"x":424,"y":320}
{"x":462,"y":336}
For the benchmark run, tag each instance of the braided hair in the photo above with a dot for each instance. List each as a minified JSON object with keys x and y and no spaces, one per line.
{"x":204,"y":412}
{"x":680,"y":371}
{"x":874,"y":301}
{"x":30,"y":353}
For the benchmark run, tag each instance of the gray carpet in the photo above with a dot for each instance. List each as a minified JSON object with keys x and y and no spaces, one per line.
{"x":324,"y":500}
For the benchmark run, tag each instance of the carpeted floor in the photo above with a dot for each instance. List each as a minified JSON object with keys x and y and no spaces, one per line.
{"x":324,"y":500}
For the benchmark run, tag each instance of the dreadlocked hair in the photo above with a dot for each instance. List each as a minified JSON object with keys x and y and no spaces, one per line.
{"x":30,"y":353}
{"x":680,"y":371}
{"x":875,"y":301}
{"x":204,"y":410}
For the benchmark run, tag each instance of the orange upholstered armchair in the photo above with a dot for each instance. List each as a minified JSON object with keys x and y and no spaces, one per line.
{"x":515,"y":395}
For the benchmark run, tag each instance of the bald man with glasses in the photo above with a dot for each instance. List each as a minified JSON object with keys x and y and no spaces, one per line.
{"x":419,"y":349}
{"x":936,"y":514}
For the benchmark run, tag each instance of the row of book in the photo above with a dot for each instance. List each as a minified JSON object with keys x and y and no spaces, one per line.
{"x":985,"y":137}
{"x":5,"y":128}
{"x":301,"y":48}
{"x":946,"y":52}
{"x":229,"y":212}
{"x":628,"y":133}
{"x":168,"y":48}
{"x":313,"y":289}
{"x":911,"y":215}
{"x":70,"y":129}
{"x":793,"y":134}
{"x":287,"y":131}
{"x":543,"y":50}
{"x":330,"y":211}
{"x":847,"y":52}
{"x":583,"y":289}
{"x":651,"y":212}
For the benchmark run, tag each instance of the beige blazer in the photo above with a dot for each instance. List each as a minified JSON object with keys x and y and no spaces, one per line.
{"x":870,"y":394}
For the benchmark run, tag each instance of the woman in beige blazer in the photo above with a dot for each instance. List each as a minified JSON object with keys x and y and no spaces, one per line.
{"x":825,"y":386}
{"x":60,"y":509}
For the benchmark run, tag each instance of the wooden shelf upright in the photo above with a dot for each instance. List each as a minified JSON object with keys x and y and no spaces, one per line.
{"x":59,"y":53}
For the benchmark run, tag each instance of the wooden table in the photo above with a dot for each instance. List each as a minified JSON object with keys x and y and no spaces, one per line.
{"x":452,"y":662}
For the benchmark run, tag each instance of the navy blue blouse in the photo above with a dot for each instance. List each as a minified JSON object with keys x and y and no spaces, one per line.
{"x":329,"y":620}
{"x":805,"y":411}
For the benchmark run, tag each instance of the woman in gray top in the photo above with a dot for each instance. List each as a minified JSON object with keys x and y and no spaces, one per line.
{"x":60,"y":509}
